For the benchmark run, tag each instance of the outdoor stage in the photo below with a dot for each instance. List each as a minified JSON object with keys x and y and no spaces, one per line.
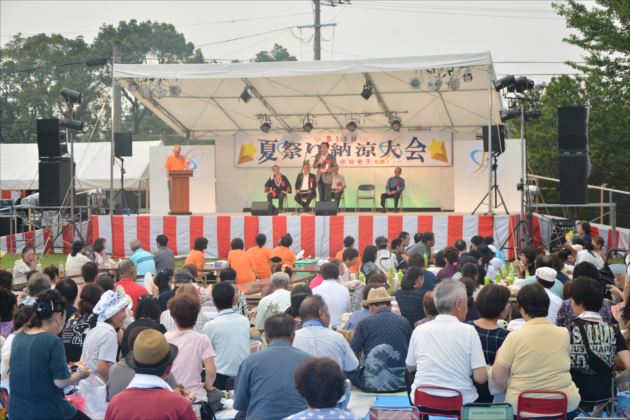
{"x":318,"y":236}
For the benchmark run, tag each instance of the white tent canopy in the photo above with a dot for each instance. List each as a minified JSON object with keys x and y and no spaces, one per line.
{"x":202,"y":100}
{"x":20,"y":165}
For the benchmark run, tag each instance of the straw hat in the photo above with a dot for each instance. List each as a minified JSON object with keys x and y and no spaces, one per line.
{"x":377,"y":295}
{"x":151,"y":353}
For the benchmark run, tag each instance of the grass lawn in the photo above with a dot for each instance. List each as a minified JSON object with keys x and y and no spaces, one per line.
{"x":6,"y":262}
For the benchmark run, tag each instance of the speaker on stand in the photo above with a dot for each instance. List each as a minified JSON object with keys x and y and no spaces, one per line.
{"x":573,"y":154}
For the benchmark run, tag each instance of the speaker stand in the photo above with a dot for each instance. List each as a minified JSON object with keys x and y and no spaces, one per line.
{"x":498,"y":197}
{"x":122,"y":193}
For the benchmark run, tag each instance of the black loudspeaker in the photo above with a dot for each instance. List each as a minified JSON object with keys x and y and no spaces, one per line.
{"x":51,"y":142}
{"x":262,"y":208}
{"x":572,"y":128}
{"x":573,"y":178}
{"x":498,"y":139}
{"x":326,"y":208}
{"x":54,"y":181}
{"x":122,"y":144}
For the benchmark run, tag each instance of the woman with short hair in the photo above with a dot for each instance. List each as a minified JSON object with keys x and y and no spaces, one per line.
{"x":146,"y":314}
{"x":76,"y":259}
{"x":536,"y":356}
{"x":24,"y":265}
{"x":322,"y":384}
{"x":81,"y":322}
{"x":195,"y":350}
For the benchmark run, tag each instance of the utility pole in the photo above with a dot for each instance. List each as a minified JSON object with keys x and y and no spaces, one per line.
{"x":115,"y":122}
{"x":317,"y":40}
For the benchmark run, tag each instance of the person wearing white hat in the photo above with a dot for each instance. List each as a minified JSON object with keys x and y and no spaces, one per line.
{"x":546,"y":277}
{"x":101,"y":343}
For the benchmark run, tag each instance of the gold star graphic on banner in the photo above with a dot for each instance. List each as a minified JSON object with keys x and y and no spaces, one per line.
{"x":438,"y":150}
{"x":247,"y":153}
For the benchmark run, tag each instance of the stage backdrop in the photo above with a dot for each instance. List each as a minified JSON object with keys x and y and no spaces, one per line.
{"x":357,"y":150}
{"x":471,"y":176}
{"x":202,"y":183}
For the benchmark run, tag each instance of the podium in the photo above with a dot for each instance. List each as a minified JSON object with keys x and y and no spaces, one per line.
{"x":180,"y":192}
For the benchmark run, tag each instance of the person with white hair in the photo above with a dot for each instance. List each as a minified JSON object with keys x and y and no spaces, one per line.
{"x":446,"y":352}
{"x":276,"y":302}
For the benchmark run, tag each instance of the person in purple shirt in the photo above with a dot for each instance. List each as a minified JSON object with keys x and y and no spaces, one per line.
{"x":452,"y":257}
{"x":394,"y":187}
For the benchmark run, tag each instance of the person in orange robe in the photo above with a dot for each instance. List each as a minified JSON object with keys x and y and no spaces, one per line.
{"x":260,"y":256}
{"x":348,"y":242}
{"x":240,"y":262}
{"x":284,"y":252}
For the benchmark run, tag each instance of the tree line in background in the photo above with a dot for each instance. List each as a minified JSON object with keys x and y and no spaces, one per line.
{"x":34,"y":69}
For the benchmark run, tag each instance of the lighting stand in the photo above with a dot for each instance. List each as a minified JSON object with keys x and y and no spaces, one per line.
{"x":494,"y":189}
{"x":122,"y":192}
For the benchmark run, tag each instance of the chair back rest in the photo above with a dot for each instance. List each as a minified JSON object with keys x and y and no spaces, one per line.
{"x":499,"y":411}
{"x":393,"y":413}
{"x":531,"y":402}
{"x":452,"y":402}
{"x":366,"y":187}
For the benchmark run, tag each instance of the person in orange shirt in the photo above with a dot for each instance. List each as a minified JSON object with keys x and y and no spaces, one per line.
{"x":174,"y":162}
{"x":240,"y":262}
{"x":348,"y":242}
{"x":284,"y":252}
{"x":196,"y":255}
{"x":260,"y":256}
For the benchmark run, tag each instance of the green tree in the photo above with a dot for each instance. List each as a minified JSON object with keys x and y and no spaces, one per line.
{"x":140,"y":42}
{"x":277,"y":53}
{"x":33,"y":71}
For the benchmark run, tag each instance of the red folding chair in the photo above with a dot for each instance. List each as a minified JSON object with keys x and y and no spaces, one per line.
{"x":443,"y":406}
{"x":551,"y":408}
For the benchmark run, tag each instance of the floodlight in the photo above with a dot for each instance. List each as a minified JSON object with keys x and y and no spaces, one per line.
{"x":246,"y":96}
{"x":265,"y":124}
{"x":504,"y":82}
{"x":453,"y":83}
{"x":175,"y":90}
{"x":510,"y":114}
{"x":435,"y":83}
{"x":146,"y":92}
{"x":415,"y":83}
{"x":521,"y":84}
{"x":367,"y":90}
{"x":72,"y":124}
{"x":351,"y":126}
{"x":394,"y":122}
{"x":71,"y":96}
{"x":532,"y":114}
{"x":468,"y":77}
{"x":308,"y":124}
{"x":159,"y":91}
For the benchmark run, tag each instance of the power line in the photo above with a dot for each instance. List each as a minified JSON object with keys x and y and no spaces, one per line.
{"x":432,"y":12}
{"x":244,"y":37}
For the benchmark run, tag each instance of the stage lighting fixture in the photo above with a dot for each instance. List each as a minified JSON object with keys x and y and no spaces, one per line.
{"x":246,"y":96}
{"x":96,"y":62}
{"x":367,"y":90}
{"x":394,"y":122}
{"x":308,"y":124}
{"x":521,"y":84}
{"x":435,"y":83}
{"x":133,"y":87}
{"x":71,"y":96}
{"x":415,"y":83}
{"x":159,"y":92}
{"x":265,"y":124}
{"x":504,"y":82}
{"x":72,"y":124}
{"x":468,"y":76}
{"x":453,"y":83}
{"x":532,"y":114}
{"x":351,"y":126}
{"x":510,"y":114}
{"x":146,"y":92}
{"x":175,"y":90}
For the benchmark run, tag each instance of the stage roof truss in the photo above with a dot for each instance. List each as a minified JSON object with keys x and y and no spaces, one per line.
{"x":207,"y":102}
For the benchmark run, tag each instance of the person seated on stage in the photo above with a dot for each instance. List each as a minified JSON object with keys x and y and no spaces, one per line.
{"x":338,"y":185}
{"x":260,"y":256}
{"x":305,"y":187}
{"x":196,"y":255}
{"x":284,"y":251}
{"x":277,"y":186}
{"x":393,"y":189}
{"x":143,"y":260}
{"x":240,"y":262}
{"x":348,"y":242}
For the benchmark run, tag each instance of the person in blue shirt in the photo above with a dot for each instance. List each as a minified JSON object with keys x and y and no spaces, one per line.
{"x":393,"y":189}
{"x":265,"y":387}
{"x":142,"y":259}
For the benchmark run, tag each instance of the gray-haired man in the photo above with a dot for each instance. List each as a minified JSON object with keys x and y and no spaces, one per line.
{"x":276,"y":302}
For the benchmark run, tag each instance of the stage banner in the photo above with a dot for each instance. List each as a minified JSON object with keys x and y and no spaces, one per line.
{"x":359,"y":150}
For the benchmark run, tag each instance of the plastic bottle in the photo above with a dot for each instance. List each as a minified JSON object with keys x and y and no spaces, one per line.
{"x":486,"y":280}
{"x":361,"y":276}
{"x":390,"y":273}
{"x":39,"y":267}
{"x":426,"y":260}
{"x":497,"y":277}
{"x":62,"y":270}
{"x":511,"y":270}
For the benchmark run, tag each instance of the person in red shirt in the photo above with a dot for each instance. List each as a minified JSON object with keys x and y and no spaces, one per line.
{"x":148,"y":396}
{"x":127,"y":271}
{"x":240,"y":262}
{"x":284,"y":251}
{"x":260,"y":256}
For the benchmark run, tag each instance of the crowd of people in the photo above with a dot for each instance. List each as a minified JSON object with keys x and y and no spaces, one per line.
{"x":396,"y":317}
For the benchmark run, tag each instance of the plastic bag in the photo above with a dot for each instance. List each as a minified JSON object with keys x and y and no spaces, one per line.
{"x":94,"y":391}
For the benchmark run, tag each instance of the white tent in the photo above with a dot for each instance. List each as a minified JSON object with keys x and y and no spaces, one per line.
{"x":19,"y":165}
{"x":203,"y":100}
